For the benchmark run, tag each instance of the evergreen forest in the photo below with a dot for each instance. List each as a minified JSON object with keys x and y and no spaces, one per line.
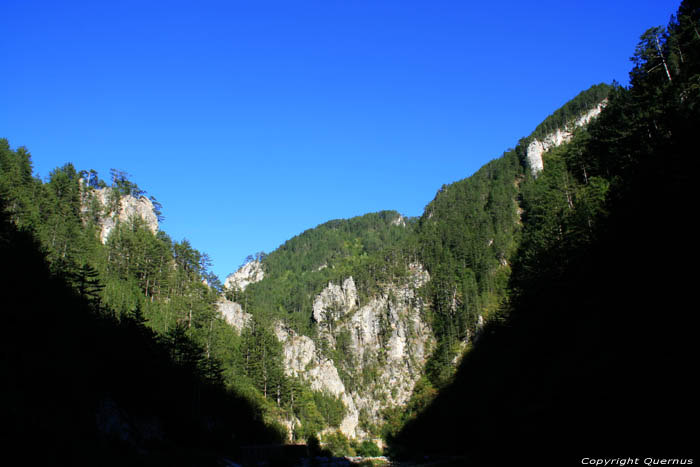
{"x":558,"y":302}
{"x":591,"y":349}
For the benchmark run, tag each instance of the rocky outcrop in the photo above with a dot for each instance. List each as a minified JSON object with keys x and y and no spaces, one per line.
{"x":399,"y":221}
{"x":380,"y":348}
{"x":249,"y":273}
{"x":302,"y":359}
{"x":369,"y":355}
{"x":562,"y":135}
{"x":335,"y":301}
{"x":233,"y":314}
{"x":109,"y":208}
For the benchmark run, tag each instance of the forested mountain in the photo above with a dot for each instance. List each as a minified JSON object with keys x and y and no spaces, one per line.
{"x":329,"y":298}
{"x":84,"y":385}
{"x":341,"y":329}
{"x":382,"y":306}
{"x":371,"y":248}
{"x":592,"y":350}
{"x":104,"y":243}
{"x":537,"y":302}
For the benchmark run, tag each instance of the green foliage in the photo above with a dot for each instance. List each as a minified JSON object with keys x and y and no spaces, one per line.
{"x":135,"y":275}
{"x":123,"y":186}
{"x":261,"y":361}
{"x":331,"y":407}
{"x":470,"y":232}
{"x":140,"y":275}
{"x":466,"y":237}
{"x":338,"y":444}
{"x":97,"y":390}
{"x":469,"y":238}
{"x":311,"y":419}
{"x":368,"y":449}
{"x":582,"y":103}
{"x":596,"y":324}
{"x":369,"y":248}
{"x":397,"y":417}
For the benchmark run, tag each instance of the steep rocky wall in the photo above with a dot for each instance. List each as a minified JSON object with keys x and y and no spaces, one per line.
{"x":233,"y":314}
{"x":384,"y":344}
{"x":247,"y":274}
{"x":303,"y":359}
{"x":562,"y":135}
{"x":129,"y":206}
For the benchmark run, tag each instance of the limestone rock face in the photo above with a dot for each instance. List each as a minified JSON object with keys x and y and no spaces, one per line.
{"x":562,"y":135}
{"x":302,"y":359}
{"x":233,"y":314}
{"x":383,"y":345}
{"x":110,"y":213}
{"x":335,"y":300}
{"x":399,"y":221}
{"x":247,"y":274}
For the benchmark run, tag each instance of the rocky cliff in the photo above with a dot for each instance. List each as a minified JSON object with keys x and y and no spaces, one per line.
{"x":109,"y":208}
{"x":369,"y":356}
{"x":249,"y":273}
{"x":233,"y":314}
{"x":381,"y":347}
{"x":562,"y":135}
{"x":351,"y":320}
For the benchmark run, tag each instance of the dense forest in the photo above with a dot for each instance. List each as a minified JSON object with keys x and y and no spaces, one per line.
{"x":163,"y":284}
{"x":373,"y":248}
{"x":466,"y":239}
{"x":562,"y":292}
{"x":590,"y":354}
{"x":85,"y":385}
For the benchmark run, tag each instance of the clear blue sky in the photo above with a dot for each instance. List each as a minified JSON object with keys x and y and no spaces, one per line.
{"x":252,"y":121}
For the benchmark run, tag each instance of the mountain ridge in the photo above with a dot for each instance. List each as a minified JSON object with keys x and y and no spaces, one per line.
{"x":354,"y":329}
{"x":445,"y":337}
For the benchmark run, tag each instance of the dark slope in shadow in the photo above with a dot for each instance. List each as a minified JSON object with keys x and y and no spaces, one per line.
{"x":81,"y":388}
{"x":597,"y":356}
{"x":596,"y":362}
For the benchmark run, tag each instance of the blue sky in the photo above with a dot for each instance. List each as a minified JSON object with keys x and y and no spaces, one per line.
{"x":252,"y":121}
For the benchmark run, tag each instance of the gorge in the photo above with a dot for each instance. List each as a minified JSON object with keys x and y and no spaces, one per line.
{"x":535,"y":306}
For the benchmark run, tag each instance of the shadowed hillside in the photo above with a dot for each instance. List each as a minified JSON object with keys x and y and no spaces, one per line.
{"x":537,"y":312}
{"x":83,"y":388}
{"x":592,"y":354}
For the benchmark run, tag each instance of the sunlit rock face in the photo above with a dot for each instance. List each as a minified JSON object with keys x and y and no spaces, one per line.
{"x":302,"y":359}
{"x":385,"y":344}
{"x":399,"y":221}
{"x":537,"y":148}
{"x":247,"y":274}
{"x":233,"y":313}
{"x":107,"y":213}
{"x":335,"y":300}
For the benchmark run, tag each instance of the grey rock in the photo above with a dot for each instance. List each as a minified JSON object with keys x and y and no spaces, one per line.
{"x":537,"y":148}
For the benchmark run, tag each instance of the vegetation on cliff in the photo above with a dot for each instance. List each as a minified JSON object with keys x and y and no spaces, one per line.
{"x":575,"y":272}
{"x":85,"y":385}
{"x":592,"y":348}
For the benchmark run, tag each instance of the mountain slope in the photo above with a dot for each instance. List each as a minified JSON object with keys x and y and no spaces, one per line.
{"x":377,"y":311}
{"x":83,"y":388}
{"x":351,"y":326}
{"x":334,"y":296}
{"x":591,"y":355}
{"x":526,"y":276}
{"x":303,"y":265}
